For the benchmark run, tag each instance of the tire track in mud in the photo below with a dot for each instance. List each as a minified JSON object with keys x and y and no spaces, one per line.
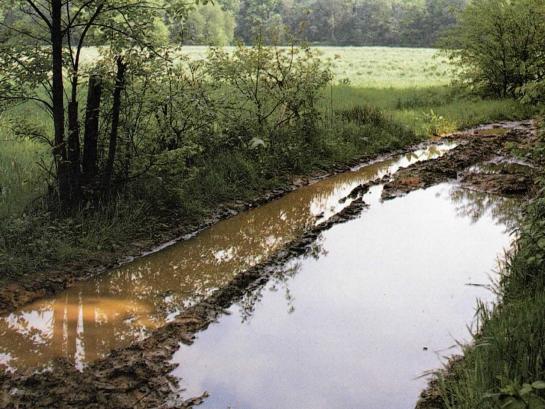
{"x":138,"y":376}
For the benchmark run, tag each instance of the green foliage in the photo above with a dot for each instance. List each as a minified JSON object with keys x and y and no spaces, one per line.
{"x":208,"y":24}
{"x":268,"y":87}
{"x":515,"y":396}
{"x":499,"y":45}
{"x":533,"y":93}
{"x":342,"y":22}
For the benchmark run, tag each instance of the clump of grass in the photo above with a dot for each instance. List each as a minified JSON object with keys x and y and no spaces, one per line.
{"x":21,"y":179}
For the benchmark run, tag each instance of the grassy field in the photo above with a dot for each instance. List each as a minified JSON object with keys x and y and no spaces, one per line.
{"x":368,"y":67}
{"x":377,"y":67}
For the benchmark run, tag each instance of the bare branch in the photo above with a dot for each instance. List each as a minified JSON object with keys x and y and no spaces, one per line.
{"x":39,"y":12}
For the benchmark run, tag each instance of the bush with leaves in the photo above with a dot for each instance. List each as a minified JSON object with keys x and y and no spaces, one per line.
{"x":499,"y":45}
{"x":269,"y":87}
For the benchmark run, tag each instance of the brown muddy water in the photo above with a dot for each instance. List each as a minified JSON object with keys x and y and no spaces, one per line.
{"x":382,"y":299}
{"x":115,"y":309}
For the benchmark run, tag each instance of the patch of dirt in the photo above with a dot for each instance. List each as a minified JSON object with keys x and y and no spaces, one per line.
{"x":472,"y":151}
{"x":500,"y":184}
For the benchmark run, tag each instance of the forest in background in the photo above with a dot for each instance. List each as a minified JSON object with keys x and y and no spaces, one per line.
{"x":407,"y":23}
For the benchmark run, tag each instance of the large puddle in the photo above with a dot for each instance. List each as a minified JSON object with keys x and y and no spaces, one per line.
{"x":332,"y":304}
{"x":383,"y":298}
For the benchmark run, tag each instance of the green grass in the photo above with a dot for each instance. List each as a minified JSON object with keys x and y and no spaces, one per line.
{"x":428,"y":110}
{"x":21,"y":179}
{"x":368,"y":67}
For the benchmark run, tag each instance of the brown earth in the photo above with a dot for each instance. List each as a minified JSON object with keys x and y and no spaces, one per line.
{"x":473,"y":150}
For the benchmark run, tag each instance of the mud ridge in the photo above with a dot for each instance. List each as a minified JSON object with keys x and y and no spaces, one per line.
{"x":506,"y":180}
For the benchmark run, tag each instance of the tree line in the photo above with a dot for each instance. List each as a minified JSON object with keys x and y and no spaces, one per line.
{"x":326,"y":22}
{"x":417,"y":23}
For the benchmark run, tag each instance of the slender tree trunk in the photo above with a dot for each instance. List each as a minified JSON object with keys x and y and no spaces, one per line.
{"x":59,"y":150}
{"x":90,"y":142}
{"x":73,"y":153}
{"x":116,"y":111}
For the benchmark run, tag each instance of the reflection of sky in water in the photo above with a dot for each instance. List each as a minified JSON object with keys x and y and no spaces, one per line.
{"x":351,"y":331}
{"x":117,"y":308}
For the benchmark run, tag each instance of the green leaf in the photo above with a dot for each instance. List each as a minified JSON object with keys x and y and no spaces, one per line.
{"x":526,"y":389}
{"x":512,"y":403}
{"x":538,"y":385}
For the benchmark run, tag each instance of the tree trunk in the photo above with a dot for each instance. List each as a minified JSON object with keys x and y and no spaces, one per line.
{"x":116,"y":111}
{"x":73,"y":153}
{"x":59,"y":150}
{"x":90,"y":142}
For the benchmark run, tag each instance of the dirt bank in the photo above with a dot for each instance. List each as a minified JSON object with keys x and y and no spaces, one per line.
{"x":501,"y":176}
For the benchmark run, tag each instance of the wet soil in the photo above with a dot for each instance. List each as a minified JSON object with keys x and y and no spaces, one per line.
{"x":476,"y":148}
{"x":139,"y":375}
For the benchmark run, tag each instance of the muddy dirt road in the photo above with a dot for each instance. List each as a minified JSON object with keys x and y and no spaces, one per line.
{"x":308,"y":301}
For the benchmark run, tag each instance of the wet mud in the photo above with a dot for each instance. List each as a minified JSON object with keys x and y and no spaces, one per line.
{"x":475,"y":148}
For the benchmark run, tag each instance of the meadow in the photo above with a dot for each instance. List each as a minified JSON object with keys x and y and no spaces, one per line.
{"x":367,"y":67}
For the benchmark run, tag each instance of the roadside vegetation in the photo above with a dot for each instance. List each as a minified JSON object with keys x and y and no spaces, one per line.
{"x":125,"y":141}
{"x":504,"y":366}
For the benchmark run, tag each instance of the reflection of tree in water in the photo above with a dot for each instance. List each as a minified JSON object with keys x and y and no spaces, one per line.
{"x":118,"y":308}
{"x":474,"y":204}
{"x":279,"y":281}
{"x":89,"y":320}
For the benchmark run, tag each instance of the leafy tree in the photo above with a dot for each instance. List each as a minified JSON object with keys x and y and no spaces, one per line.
{"x":209,"y":24}
{"x":270,"y":87}
{"x":41,"y":61}
{"x":259,"y":20}
{"x":499,"y":44}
